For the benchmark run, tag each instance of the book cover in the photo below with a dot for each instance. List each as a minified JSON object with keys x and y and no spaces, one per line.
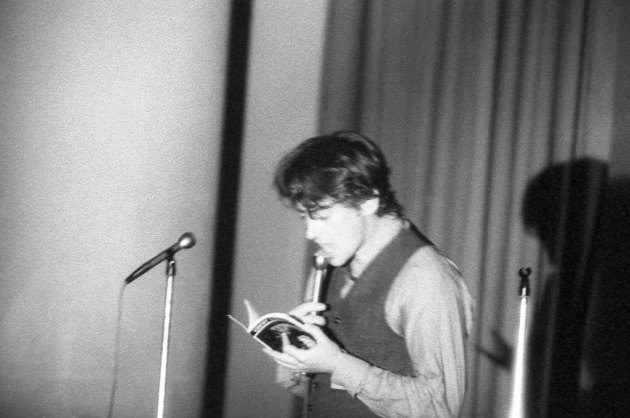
{"x":267,"y":329}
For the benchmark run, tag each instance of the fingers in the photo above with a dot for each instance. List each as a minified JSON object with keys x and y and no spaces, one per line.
{"x":308,"y":307}
{"x":315,"y":331}
{"x":321,"y":358}
{"x":285,"y":358}
{"x":285,"y":342}
{"x":314,"y":320}
{"x":289,"y":349}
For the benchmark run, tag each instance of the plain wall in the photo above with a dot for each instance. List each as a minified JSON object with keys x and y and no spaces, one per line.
{"x":110,"y":120}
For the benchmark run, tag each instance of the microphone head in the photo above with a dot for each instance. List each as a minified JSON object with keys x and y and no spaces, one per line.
{"x":320,"y":262}
{"x":187,"y":240}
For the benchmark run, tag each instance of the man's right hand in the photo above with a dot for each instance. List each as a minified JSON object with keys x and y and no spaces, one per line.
{"x":309,"y":312}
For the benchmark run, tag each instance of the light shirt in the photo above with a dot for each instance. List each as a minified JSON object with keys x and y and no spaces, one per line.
{"x":430,"y":307}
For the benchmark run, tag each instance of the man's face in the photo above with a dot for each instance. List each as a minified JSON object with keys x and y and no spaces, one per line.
{"x":339,"y":231}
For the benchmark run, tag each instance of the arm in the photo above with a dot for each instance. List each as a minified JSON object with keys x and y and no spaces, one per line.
{"x":430,"y":306}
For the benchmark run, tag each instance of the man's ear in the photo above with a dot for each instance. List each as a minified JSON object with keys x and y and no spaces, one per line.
{"x":370,"y":206}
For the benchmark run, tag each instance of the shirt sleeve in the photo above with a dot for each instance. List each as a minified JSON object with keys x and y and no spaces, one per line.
{"x":429,"y":305}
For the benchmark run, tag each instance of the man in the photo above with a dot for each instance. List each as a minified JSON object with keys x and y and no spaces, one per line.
{"x":391,"y":339}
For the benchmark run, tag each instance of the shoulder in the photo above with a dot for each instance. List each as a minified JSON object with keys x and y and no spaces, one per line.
{"x":427,"y":266}
{"x":428,"y":290}
{"x":428,"y":275}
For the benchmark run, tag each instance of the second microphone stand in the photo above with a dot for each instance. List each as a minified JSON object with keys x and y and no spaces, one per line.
{"x":518,"y":408}
{"x":170,"y":276}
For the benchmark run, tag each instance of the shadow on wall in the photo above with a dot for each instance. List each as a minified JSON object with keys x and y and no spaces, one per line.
{"x":579,"y":353}
{"x":608,"y":343}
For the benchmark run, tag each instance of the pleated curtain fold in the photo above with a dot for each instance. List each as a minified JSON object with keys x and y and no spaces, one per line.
{"x":472,"y":101}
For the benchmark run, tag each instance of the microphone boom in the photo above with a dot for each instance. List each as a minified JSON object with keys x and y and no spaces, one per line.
{"x":185,"y":241}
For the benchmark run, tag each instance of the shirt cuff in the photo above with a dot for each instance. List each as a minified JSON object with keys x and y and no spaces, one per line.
{"x":350,"y":373}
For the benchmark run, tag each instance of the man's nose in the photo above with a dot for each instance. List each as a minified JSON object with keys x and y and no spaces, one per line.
{"x":311,"y":229}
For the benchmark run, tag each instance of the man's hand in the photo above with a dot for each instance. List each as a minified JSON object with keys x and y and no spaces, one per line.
{"x":308,"y":313}
{"x":321,"y":358}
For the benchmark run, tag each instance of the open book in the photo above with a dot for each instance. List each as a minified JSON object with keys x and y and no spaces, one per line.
{"x":267,"y":329}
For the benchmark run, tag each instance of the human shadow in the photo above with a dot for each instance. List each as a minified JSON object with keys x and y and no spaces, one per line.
{"x":578,"y":349}
{"x":607,"y":344}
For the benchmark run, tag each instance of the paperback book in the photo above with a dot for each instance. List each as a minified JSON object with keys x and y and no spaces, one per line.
{"x":267,"y":329}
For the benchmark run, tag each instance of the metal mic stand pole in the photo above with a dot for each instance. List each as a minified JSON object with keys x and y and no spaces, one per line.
{"x":518,"y":406}
{"x":170,"y":273}
{"x":321,"y":264}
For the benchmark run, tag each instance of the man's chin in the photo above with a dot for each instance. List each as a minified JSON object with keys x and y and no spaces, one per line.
{"x":338,"y":261}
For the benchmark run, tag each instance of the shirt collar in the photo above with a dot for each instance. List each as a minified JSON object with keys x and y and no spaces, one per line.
{"x":387,"y":231}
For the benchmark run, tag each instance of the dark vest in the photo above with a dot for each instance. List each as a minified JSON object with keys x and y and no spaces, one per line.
{"x":358,"y":324}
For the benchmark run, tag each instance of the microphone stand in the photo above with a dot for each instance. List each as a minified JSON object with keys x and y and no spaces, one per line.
{"x":170,"y":273}
{"x":185,"y":241}
{"x":321,"y":264}
{"x":518,"y":408}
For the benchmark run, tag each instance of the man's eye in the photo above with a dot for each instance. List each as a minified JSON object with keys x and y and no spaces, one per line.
{"x":319,"y":216}
{"x":313,"y":216}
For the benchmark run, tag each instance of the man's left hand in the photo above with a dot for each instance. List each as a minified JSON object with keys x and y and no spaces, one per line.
{"x":321,"y":358}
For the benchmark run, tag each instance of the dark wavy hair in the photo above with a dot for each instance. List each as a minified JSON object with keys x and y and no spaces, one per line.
{"x":341,"y":167}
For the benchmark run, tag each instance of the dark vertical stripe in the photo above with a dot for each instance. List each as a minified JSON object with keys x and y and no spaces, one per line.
{"x":226,"y":212}
{"x":560,"y":385}
{"x":365,"y":33}
{"x":437,"y":102}
{"x":581,"y":82}
{"x":502,"y":30}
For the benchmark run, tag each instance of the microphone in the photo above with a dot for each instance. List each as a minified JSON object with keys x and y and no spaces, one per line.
{"x":524,"y":287}
{"x":185,"y":241}
{"x":321,"y":264}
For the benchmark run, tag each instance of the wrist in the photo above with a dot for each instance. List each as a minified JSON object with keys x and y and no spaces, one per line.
{"x":348,"y":371}
{"x":339,"y":360}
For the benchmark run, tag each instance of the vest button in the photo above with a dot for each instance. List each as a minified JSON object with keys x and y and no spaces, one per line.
{"x":337,"y":320}
{"x":315,"y":385}
{"x":310,"y":407}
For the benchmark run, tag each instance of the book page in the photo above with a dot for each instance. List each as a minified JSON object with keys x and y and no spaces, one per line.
{"x":252,"y":314}
{"x":238,"y":322}
{"x":270,"y":330}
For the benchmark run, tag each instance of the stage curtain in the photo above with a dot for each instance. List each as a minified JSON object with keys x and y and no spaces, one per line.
{"x":473,"y":102}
